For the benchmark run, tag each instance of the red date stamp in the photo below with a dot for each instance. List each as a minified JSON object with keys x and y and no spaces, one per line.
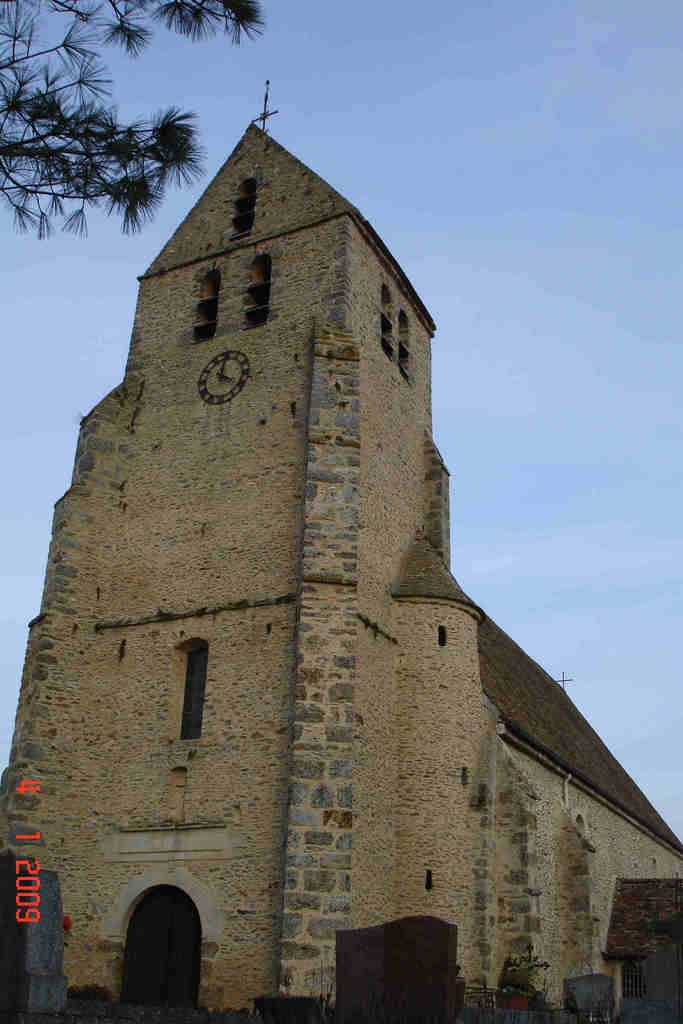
{"x":28,"y":871}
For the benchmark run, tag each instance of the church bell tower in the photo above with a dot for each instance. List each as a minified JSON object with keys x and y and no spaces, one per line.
{"x":209,"y":691}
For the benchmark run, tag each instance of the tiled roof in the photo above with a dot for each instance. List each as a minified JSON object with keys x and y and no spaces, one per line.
{"x":537,"y":709}
{"x":639,"y":905}
{"x":425,"y":575}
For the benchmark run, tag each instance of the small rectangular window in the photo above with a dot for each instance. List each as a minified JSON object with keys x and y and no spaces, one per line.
{"x":195,"y":682}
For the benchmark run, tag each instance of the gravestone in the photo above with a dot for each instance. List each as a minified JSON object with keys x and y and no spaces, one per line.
{"x":31,"y":953}
{"x":591,"y":994}
{"x":672,"y":926}
{"x":663,"y":977}
{"x":403,"y":970}
{"x":10,"y":935}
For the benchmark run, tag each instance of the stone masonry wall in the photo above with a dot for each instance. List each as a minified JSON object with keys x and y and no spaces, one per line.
{"x":184,"y":523}
{"x":576,"y":865}
{"x":395,"y":413}
{"x":440,"y":723}
{"x":517,"y":911}
{"x":318,"y":851}
{"x":437,"y":513}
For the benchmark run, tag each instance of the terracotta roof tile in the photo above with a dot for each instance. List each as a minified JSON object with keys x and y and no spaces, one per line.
{"x":639,"y":905}
{"x":539,"y":711}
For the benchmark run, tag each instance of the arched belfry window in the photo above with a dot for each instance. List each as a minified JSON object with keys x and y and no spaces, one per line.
{"x":207,"y":307}
{"x":195,"y":684}
{"x":245,"y":205}
{"x":403,"y":347}
{"x":258,"y":291}
{"x":386,"y":327}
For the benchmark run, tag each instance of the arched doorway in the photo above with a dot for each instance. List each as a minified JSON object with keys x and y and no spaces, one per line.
{"x":163,"y":948}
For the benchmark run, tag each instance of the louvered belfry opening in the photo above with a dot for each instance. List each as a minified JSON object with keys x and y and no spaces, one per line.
{"x":207,"y":307}
{"x":195,"y":683}
{"x":386,"y":327}
{"x":403,"y":350}
{"x":245,"y":206}
{"x":258,"y":291}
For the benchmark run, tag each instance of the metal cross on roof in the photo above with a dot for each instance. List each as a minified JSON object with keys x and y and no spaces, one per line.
{"x":564,"y":680}
{"x":263,"y":117}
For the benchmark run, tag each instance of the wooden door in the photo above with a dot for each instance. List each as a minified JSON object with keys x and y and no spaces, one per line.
{"x":163,"y":948}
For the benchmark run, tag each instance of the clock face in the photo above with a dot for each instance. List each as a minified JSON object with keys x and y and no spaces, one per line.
{"x":224,"y":377}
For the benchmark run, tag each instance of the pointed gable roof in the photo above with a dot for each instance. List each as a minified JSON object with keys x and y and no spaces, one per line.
{"x":290,"y":196}
{"x":423,"y":574}
{"x":537,"y":710}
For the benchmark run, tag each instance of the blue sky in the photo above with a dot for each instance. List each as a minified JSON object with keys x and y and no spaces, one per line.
{"x":523,"y":164}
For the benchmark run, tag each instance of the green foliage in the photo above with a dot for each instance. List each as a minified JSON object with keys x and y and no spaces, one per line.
{"x":62,"y":146}
{"x":522,"y":973}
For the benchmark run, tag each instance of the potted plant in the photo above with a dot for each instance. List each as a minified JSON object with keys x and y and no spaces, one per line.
{"x":519,"y":980}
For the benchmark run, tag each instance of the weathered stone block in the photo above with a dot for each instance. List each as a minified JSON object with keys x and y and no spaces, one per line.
{"x":318,"y":838}
{"x":322,"y":796}
{"x":291,"y":925}
{"x":319,"y":881}
{"x":325,"y":927}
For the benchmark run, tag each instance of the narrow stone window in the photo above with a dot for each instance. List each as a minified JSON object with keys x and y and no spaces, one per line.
{"x":428,"y":879}
{"x":632,"y":980}
{"x":176,"y":794}
{"x":259,"y":291}
{"x":195,"y":682}
{"x":403,"y":350}
{"x":245,"y":205}
{"x":442,"y":636}
{"x":386,"y":326}
{"x":207,"y":307}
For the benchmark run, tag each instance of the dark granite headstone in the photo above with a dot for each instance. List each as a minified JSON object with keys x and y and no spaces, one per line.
{"x":10,"y":935}
{"x":671,"y":926}
{"x":591,"y":993}
{"x":647,"y":1011}
{"x":288,"y":1009}
{"x":403,"y":970}
{"x":663,"y":972}
{"x":31,"y":953}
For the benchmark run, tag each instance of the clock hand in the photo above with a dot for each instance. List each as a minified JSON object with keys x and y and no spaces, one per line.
{"x":223,"y":376}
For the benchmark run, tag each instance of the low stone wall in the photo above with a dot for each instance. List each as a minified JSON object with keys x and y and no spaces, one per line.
{"x":479,"y":1015}
{"x":92,"y":1012}
{"x":82,"y":1011}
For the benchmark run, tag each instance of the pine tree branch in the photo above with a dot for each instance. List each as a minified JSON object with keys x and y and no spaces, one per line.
{"x":60,"y":139}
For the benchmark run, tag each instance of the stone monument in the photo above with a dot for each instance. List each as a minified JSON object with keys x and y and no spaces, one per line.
{"x":402,"y":970}
{"x":590,"y":993}
{"x":32,"y":952}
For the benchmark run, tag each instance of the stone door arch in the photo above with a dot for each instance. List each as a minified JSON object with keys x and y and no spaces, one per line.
{"x":163,"y":949}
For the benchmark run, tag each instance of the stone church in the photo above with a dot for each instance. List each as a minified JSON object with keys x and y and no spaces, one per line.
{"x":259,"y":706}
